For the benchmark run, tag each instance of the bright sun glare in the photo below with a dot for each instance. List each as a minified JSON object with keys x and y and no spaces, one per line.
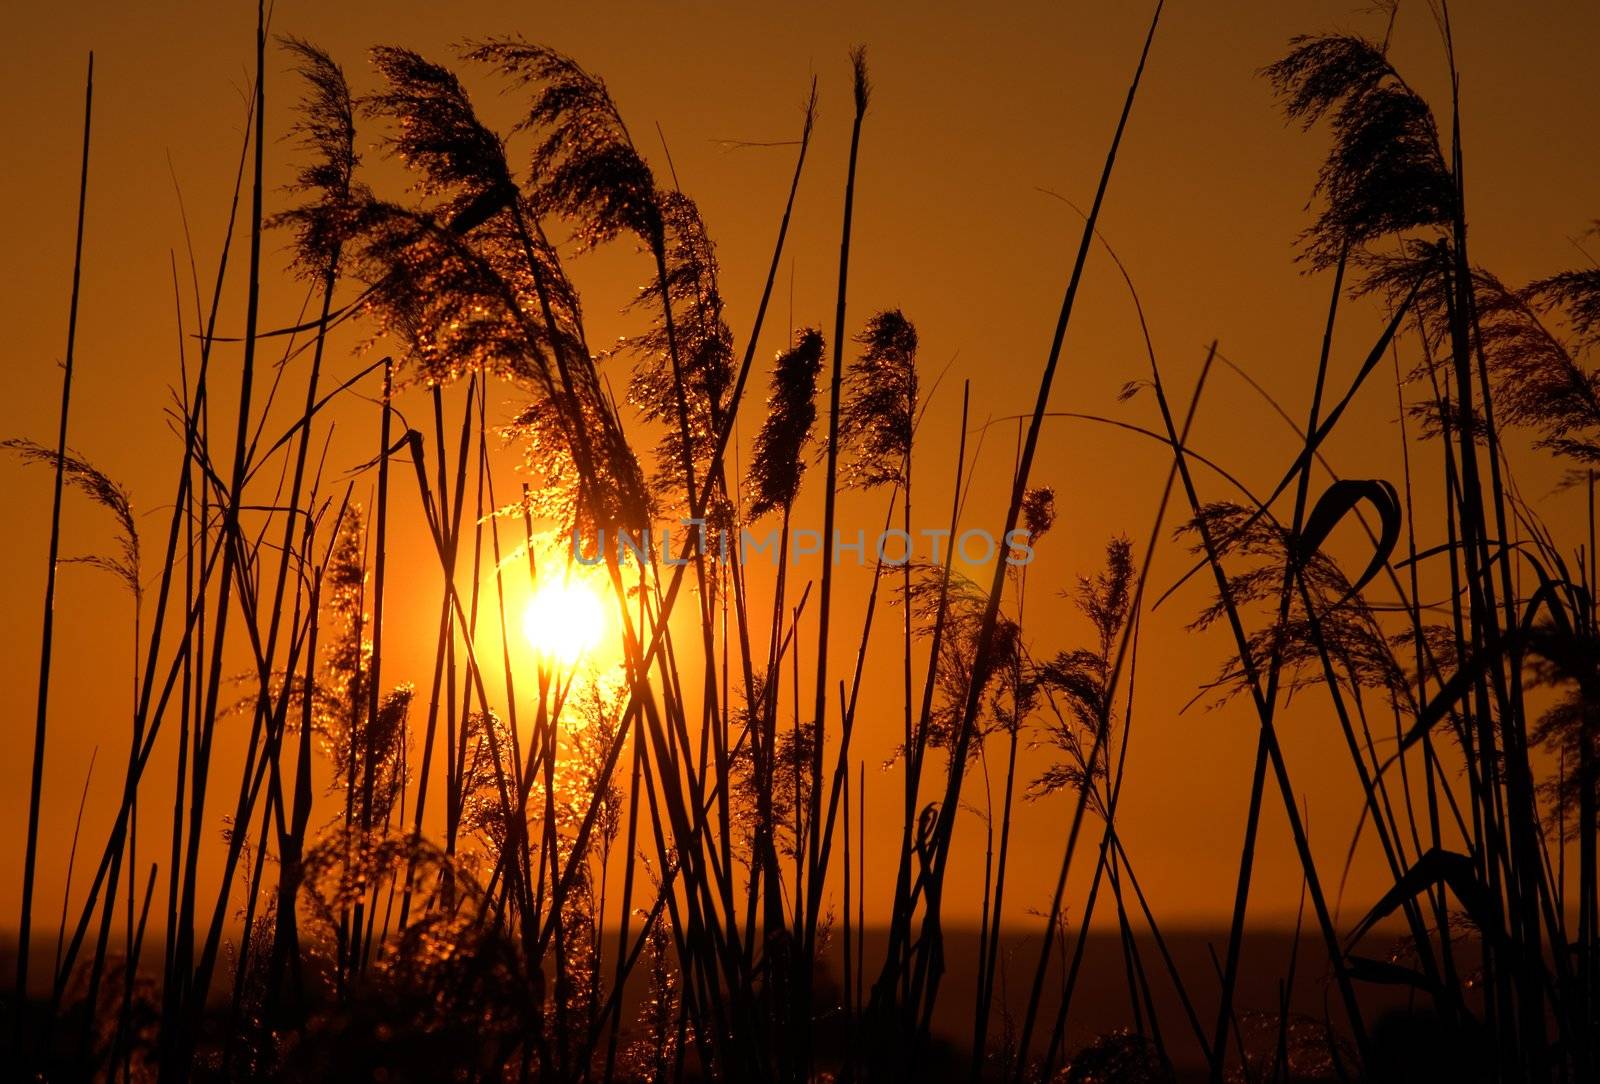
{"x":564,"y":621}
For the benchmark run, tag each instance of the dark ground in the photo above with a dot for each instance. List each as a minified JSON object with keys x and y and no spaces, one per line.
{"x":1101,"y":1004}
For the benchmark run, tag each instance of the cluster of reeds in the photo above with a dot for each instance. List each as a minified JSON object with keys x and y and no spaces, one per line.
{"x":358,"y":930}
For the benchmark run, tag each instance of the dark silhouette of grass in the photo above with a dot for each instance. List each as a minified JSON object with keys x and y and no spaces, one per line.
{"x":47,"y":622}
{"x":714,"y":763}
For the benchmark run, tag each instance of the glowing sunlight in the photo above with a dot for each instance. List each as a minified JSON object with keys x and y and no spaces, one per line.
{"x":564,"y":621}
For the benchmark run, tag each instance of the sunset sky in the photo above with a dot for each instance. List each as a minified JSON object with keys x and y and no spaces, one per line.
{"x":976,"y":118}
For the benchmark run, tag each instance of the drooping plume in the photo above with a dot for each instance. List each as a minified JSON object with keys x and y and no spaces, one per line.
{"x":326,"y":131}
{"x":1537,"y":376}
{"x":584,"y":165}
{"x":617,"y":497}
{"x":451,"y":278}
{"x":1537,"y":379}
{"x":80,"y":474}
{"x":704,"y":344}
{"x":1385,"y":173}
{"x":441,"y":137}
{"x":1344,"y":624}
{"x":1576,"y":295}
{"x":470,"y":281}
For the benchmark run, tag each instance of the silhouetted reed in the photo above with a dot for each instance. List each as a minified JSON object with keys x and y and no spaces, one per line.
{"x":523,"y":868}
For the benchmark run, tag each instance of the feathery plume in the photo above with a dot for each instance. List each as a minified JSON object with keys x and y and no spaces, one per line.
{"x":1385,"y":173}
{"x":704,"y":343}
{"x":779,"y":462}
{"x":1538,"y":382}
{"x":451,"y":279}
{"x":1345,"y":626}
{"x":1009,"y":694}
{"x":1536,"y":376}
{"x":584,"y":165}
{"x":326,"y":130}
{"x":1039,"y":511}
{"x":618,"y":495}
{"x":1081,"y":678}
{"x":86,"y":479}
{"x":880,"y":408}
{"x":1569,"y":660}
{"x":1576,"y":294}
{"x":439,"y":135}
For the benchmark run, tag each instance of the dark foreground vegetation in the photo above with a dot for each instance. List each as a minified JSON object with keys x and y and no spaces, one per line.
{"x":493,"y":873}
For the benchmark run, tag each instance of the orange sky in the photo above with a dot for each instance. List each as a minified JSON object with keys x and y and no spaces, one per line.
{"x":972,"y":115}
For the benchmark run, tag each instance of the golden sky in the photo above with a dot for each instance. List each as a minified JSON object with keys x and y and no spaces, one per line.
{"x":974,"y":112}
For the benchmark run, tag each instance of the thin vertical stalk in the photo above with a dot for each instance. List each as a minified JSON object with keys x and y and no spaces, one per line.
{"x":374,"y":685}
{"x":47,"y":634}
{"x":862,"y":93}
{"x":948,"y":808}
{"x":1268,"y":700}
{"x":231,"y":542}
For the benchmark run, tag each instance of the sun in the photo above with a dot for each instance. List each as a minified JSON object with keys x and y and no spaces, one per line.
{"x":564,"y":621}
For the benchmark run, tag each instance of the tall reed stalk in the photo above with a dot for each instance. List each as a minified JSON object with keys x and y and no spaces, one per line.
{"x":465,"y":912}
{"x":47,"y":622}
